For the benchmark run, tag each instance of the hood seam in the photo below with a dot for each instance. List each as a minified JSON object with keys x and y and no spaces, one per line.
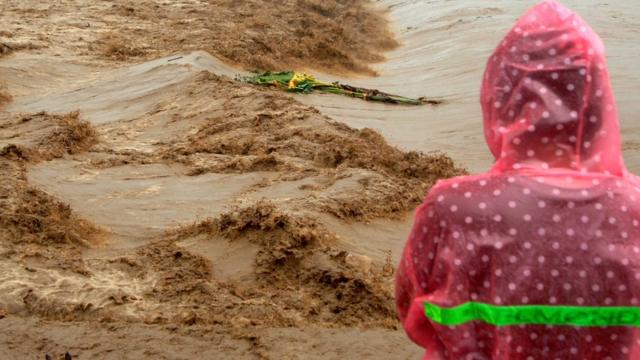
{"x":581,"y":124}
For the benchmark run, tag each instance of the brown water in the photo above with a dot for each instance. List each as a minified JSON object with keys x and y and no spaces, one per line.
{"x":445,"y":45}
{"x":140,"y":108}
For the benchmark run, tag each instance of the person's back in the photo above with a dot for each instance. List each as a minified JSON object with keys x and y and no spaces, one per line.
{"x":540,"y":257}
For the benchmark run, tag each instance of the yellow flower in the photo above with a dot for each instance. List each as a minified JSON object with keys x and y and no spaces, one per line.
{"x":300,"y":78}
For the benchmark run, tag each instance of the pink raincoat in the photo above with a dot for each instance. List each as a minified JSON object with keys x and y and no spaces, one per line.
{"x":549,"y":237}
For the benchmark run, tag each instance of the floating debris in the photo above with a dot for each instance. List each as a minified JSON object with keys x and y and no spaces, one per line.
{"x":302,"y":83}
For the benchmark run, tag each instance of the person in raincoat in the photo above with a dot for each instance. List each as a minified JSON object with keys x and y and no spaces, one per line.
{"x":540,"y":257}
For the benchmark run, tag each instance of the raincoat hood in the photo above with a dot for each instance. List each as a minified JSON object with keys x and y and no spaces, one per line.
{"x":546,"y":97}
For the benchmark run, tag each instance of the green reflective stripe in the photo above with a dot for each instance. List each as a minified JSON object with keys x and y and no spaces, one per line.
{"x":593,"y":316}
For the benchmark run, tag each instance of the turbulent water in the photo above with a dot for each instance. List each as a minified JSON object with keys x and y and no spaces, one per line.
{"x":445,"y":46}
{"x":228,"y":219}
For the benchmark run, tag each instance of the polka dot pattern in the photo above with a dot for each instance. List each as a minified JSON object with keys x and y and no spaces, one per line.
{"x":568,"y":252}
{"x":556,"y":221}
{"x":560,"y":112}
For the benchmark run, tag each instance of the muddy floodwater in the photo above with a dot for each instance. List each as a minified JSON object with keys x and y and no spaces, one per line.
{"x":151,"y":206}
